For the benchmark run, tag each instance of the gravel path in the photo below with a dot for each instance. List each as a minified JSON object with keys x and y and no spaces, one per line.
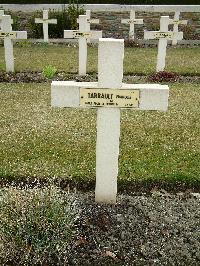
{"x":159,"y":229}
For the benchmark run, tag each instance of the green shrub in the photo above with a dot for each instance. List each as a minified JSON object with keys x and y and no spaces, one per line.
{"x":36,"y":226}
{"x":49,"y":71}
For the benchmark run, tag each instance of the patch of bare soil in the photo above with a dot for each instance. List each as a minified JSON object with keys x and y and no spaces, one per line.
{"x":161,"y":229}
{"x":38,"y":77}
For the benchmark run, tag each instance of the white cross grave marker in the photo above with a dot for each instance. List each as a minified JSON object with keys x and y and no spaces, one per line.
{"x":163,"y":35}
{"x":132,"y":21}
{"x":83,"y":34}
{"x":45,"y":21}
{"x":110,"y":95}
{"x":1,"y":14}
{"x":89,"y":20}
{"x":8,"y":35}
{"x":176,"y":22}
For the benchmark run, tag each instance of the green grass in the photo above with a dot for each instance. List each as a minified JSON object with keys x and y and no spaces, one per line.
{"x":137,"y":60}
{"x":43,"y":142}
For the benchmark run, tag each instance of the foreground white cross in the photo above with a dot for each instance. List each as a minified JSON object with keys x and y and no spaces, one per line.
{"x":8,"y":35}
{"x":109,"y":94}
{"x":45,"y":21}
{"x":132,"y":21}
{"x":163,"y":35}
{"x":83,"y":34}
{"x":176,"y":22}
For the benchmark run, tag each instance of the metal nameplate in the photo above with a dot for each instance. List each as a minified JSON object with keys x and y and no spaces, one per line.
{"x":109,"y":98}
{"x":163,"y":35}
{"x":177,"y":22}
{"x":11,"y":35}
{"x":132,"y":21}
{"x":78,"y":34}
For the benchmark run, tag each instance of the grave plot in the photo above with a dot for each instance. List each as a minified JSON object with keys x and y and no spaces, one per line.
{"x":159,"y":154}
{"x":49,"y":167}
{"x":109,"y":95}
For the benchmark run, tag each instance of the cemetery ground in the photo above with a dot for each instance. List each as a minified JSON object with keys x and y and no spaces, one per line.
{"x":48,"y":214}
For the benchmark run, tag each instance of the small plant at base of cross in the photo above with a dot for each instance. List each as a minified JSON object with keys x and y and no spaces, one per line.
{"x":49,"y":71}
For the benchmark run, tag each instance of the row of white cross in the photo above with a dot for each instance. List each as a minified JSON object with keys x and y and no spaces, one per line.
{"x":84,"y":35}
{"x":131,"y":22}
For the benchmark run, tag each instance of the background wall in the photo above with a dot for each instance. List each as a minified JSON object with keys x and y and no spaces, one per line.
{"x":127,"y":2}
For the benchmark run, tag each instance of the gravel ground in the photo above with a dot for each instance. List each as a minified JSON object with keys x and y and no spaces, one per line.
{"x":156,"y":229}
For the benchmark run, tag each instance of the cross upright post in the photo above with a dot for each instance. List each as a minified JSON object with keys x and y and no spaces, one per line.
{"x":162,"y":45}
{"x":8,"y":35}
{"x":83,"y":35}
{"x":110,"y":75}
{"x":163,"y":36}
{"x":176,"y":22}
{"x":109,"y":95}
{"x":90,"y":21}
{"x":83,"y":26}
{"x":46,"y":21}
{"x":132,"y":21}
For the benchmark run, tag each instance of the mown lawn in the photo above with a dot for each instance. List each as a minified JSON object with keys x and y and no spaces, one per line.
{"x":137,"y":60}
{"x":43,"y":142}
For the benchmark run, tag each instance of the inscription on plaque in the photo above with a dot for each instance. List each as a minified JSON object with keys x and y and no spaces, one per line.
{"x":177,"y":22}
{"x":131,"y":21}
{"x":78,"y":34}
{"x":11,"y":35}
{"x":164,"y":35}
{"x":109,"y":98}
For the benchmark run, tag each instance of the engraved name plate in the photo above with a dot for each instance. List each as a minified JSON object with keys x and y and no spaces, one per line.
{"x":11,"y":35}
{"x":109,"y":98}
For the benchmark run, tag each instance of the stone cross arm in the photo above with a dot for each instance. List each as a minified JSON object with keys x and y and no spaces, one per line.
{"x":48,"y":21}
{"x":177,"y":22}
{"x":76,"y":34}
{"x":68,"y":94}
{"x":169,"y":35}
{"x":130,"y":21}
{"x":13,"y":34}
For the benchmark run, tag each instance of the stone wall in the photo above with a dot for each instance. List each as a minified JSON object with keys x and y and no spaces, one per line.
{"x":110,"y":23}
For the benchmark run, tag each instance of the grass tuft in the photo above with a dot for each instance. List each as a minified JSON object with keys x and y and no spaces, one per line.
{"x":36,"y":225}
